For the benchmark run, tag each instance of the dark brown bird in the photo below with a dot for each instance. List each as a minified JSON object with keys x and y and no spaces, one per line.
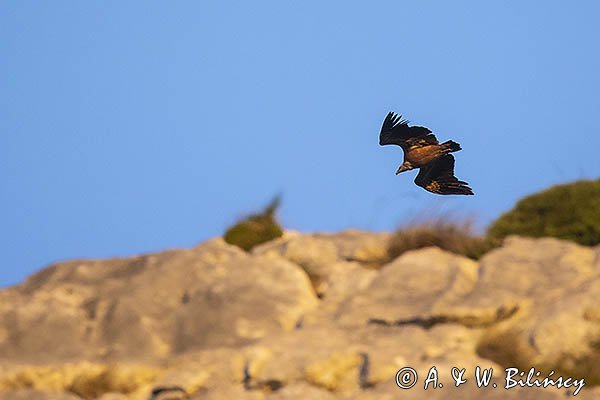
{"x":422,"y":150}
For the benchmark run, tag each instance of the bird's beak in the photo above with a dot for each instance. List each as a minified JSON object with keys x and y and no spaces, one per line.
{"x":400,"y":169}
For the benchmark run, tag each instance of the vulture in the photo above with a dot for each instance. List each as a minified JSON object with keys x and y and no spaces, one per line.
{"x":422,"y":150}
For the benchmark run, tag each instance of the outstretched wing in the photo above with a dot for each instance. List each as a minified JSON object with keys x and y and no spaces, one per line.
{"x":395,"y":130}
{"x":438,"y":177}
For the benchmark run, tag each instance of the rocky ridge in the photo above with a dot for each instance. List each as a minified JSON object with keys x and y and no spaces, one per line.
{"x":306,"y":316}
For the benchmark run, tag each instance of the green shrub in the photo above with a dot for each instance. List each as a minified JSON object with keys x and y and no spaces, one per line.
{"x":447,"y":235}
{"x":256,"y":229}
{"x":570,"y":211}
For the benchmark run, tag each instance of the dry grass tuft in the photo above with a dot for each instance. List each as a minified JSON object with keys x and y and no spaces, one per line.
{"x":455,"y":237}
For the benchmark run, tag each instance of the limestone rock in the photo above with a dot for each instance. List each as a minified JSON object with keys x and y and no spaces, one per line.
{"x":36,"y":395}
{"x":415,"y":286}
{"x":301,"y":391}
{"x":219,"y":323}
{"x":152,"y":306}
{"x":315,"y":256}
{"x":320,"y":255}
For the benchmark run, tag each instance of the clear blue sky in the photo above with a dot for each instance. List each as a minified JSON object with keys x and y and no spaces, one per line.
{"x":130,"y":127}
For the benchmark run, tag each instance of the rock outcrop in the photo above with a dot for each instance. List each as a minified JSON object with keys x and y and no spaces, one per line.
{"x":320,"y":316}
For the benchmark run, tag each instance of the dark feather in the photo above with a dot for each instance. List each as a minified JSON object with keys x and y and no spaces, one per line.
{"x":395,"y":130}
{"x":438,"y":177}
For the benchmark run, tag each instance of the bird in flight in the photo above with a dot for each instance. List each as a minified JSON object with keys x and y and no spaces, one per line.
{"x":422,"y":150}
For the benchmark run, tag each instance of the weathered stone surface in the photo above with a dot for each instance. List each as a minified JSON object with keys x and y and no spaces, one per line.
{"x":360,"y":246}
{"x":417,"y":285}
{"x":526,"y":268}
{"x":344,"y":281}
{"x":553,"y":286}
{"x":560,"y":334}
{"x":314,"y":255}
{"x":220,"y":323}
{"x":301,"y":391}
{"x":349,"y":245}
{"x":321,"y":255}
{"x":152,"y":306}
{"x":36,"y":395}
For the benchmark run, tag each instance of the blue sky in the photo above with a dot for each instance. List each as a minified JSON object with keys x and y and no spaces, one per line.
{"x":131,"y":127}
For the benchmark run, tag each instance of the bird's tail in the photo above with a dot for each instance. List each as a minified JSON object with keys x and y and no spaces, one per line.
{"x":451,"y":146}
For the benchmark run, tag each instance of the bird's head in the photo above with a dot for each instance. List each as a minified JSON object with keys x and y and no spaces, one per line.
{"x":406,"y":166}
